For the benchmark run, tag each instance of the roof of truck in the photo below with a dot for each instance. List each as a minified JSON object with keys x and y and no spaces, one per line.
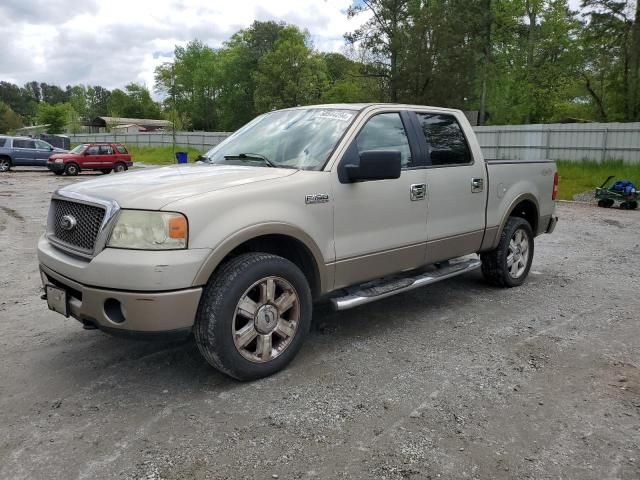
{"x":362,"y":106}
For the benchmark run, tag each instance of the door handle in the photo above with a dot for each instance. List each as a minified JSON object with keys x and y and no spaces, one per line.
{"x":418,"y":191}
{"x":477,"y":185}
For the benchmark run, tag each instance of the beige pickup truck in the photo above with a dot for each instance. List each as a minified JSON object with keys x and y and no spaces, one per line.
{"x":348,"y":203}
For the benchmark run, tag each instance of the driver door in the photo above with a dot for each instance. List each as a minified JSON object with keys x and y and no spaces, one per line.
{"x":380,"y":226}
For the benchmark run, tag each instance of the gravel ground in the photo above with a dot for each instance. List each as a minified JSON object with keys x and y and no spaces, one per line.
{"x":457,"y":380}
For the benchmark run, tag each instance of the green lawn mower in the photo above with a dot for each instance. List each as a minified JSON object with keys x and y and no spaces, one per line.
{"x":622,"y":191}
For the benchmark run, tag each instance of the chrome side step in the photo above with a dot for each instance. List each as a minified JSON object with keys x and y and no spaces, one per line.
{"x":376,"y":290}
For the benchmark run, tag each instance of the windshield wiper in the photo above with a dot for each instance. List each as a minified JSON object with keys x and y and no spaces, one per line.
{"x":251,"y":156}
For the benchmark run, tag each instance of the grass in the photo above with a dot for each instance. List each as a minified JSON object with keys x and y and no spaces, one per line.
{"x":575,"y":177}
{"x":579,"y":177}
{"x":160,"y":155}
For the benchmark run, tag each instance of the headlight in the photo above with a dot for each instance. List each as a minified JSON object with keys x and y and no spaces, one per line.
{"x":147,"y":230}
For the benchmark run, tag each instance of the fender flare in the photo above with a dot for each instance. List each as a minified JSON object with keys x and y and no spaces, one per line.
{"x":524,"y":196}
{"x":220,"y":252}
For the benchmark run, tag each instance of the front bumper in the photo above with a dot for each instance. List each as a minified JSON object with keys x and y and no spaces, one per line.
{"x":55,"y":167}
{"x":127,"y":312}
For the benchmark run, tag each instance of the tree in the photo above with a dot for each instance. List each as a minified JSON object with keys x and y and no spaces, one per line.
{"x":134,"y":102}
{"x":56,"y":116}
{"x":9,"y":120}
{"x":291,"y":74}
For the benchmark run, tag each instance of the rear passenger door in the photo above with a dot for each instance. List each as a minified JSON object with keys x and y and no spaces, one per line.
{"x":24,"y":152}
{"x":106,"y":156}
{"x":456,"y":188}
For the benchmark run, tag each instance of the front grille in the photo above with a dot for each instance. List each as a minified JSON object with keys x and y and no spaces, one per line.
{"x":88,"y":221}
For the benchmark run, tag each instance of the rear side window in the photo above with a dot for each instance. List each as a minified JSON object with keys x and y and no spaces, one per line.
{"x":20,"y":143}
{"x":385,"y":131}
{"x":446,"y":141}
{"x":121,"y":149}
{"x":106,"y":150}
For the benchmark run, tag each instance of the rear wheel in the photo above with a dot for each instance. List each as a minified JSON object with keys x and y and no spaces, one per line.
{"x":5,"y":164}
{"x":633,"y":205}
{"x":509,"y":264}
{"x":72,"y":169}
{"x":119,"y":167}
{"x":253,"y":316}
{"x":106,"y":171}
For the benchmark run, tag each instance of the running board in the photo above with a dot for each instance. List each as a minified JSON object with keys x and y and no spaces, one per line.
{"x":372,"y":291}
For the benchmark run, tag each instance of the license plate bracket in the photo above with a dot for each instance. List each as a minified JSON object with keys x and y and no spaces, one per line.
{"x":57,"y":300}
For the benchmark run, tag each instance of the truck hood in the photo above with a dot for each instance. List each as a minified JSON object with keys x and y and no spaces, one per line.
{"x":153,"y":188}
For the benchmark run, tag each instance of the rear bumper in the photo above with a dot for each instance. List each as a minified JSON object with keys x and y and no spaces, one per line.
{"x":553,"y":221}
{"x":128,"y":312}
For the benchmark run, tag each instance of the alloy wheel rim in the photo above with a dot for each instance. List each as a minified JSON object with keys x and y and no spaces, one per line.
{"x":266,"y":319}
{"x":4,"y":165}
{"x":518,"y":257}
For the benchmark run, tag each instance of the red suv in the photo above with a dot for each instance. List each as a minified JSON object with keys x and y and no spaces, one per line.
{"x":91,"y":156}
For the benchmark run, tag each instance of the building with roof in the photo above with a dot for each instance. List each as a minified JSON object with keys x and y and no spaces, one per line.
{"x":104,"y":124}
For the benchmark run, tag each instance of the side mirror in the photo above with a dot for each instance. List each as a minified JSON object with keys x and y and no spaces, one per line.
{"x":376,"y":165}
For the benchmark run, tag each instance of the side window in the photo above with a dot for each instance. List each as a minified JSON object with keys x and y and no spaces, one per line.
{"x":21,"y":143}
{"x":3,"y":141}
{"x":385,"y":132}
{"x":106,"y":150}
{"x":92,"y":150}
{"x":42,"y":145}
{"x":447,"y":143}
{"x":121,"y":149}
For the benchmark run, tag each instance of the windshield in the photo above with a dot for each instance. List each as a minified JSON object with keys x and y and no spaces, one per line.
{"x":78,"y":149}
{"x":301,"y":139}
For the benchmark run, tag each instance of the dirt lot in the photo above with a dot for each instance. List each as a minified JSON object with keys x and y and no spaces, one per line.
{"x":457,"y":380}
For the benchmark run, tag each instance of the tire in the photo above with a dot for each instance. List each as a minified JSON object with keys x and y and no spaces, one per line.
{"x":633,"y":205}
{"x":58,"y":172}
{"x":119,"y":167}
{"x":71,"y":169}
{"x":5,"y":164}
{"x":220,"y":326}
{"x":495,"y":264}
{"x":106,"y":171}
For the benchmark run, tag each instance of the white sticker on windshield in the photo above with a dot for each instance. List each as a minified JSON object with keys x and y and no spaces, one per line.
{"x":342,"y":115}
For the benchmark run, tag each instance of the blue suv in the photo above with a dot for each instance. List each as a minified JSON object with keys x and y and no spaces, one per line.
{"x":25,"y":152}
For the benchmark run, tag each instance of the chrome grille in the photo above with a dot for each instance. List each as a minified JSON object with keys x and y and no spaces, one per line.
{"x":88,"y":219}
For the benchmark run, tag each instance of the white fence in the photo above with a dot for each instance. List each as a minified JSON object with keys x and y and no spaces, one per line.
{"x":592,"y":141}
{"x":199,"y":140}
{"x":576,"y":141}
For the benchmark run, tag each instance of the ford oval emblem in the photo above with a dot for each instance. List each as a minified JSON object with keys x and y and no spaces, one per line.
{"x":68,"y":223}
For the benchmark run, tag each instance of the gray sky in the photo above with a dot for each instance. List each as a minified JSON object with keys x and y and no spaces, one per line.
{"x":113,"y":42}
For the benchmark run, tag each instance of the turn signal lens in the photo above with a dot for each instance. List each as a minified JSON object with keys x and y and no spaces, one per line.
{"x":178,"y":227}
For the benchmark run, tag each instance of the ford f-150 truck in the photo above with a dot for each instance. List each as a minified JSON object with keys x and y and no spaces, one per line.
{"x":350,"y":203}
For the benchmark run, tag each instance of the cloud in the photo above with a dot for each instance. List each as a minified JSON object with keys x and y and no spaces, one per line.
{"x":118,"y":41}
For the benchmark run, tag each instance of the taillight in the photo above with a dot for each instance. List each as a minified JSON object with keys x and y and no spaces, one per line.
{"x":555,"y":187}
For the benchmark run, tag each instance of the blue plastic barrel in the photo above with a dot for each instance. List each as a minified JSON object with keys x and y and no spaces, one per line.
{"x":182,"y":157}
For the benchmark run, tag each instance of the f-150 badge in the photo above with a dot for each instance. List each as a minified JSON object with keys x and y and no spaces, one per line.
{"x":316,"y":198}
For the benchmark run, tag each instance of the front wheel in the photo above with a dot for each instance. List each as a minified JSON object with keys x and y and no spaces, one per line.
{"x":72,"y":169}
{"x":253,"y":315}
{"x":5,"y":164}
{"x":509,"y":264}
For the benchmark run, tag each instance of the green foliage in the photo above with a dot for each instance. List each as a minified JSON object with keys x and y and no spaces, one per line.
{"x":134,"y":102}
{"x":289,"y":75}
{"x":56,"y":116}
{"x":584,"y":176}
{"x":9,"y":120}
